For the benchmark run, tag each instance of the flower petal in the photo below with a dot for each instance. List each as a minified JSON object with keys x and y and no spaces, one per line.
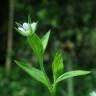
{"x":21,"y":29}
{"x":93,"y":93}
{"x":33,"y":25}
{"x":26,"y":26}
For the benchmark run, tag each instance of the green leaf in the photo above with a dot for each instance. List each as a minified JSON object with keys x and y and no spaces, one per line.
{"x":33,"y":72}
{"x":57,"y":66}
{"x":45,"y":39}
{"x":36,"y":45}
{"x":72,"y":74}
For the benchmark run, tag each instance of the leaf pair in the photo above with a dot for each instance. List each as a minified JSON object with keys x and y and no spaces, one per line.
{"x":39,"y":75}
{"x":38,"y":45}
{"x":57,"y":68}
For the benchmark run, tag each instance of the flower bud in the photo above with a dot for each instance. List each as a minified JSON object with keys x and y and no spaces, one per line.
{"x":27,"y":29}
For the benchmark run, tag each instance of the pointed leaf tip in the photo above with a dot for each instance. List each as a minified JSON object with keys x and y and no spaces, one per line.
{"x":33,"y":72}
{"x":45,"y":39}
{"x":57,"y":65}
{"x":71,"y":74}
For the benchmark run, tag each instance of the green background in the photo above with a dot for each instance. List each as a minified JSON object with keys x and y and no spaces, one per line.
{"x":73,"y":31}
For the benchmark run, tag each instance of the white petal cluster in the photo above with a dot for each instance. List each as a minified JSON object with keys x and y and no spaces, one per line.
{"x":27,"y":29}
{"x":93,"y":93}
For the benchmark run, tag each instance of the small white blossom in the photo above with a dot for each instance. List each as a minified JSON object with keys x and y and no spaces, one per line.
{"x":93,"y":93}
{"x":33,"y":25}
{"x":27,"y":29}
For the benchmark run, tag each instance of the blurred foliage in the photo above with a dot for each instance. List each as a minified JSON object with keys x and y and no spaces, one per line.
{"x":73,"y":31}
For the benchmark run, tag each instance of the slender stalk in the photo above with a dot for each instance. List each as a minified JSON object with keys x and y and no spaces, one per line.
{"x":44,"y":72}
{"x":54,"y":88}
{"x":52,"y":93}
{"x":70,"y":83}
{"x":42,"y":65}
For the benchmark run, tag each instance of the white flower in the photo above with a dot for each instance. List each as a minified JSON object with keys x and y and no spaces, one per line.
{"x":27,"y":29}
{"x":93,"y":93}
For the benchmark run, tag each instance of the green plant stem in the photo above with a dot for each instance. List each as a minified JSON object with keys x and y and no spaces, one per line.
{"x":53,"y":91}
{"x":52,"y":94}
{"x":43,"y":70}
{"x":54,"y":88}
